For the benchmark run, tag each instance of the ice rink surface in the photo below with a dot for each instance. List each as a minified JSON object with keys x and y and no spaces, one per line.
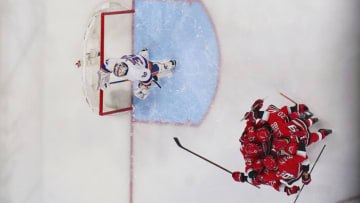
{"x":53,"y":149}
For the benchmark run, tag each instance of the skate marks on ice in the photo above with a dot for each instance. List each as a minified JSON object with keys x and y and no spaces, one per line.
{"x":182,"y":31}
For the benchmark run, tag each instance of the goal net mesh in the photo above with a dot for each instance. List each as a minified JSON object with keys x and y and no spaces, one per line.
{"x":108,"y":34}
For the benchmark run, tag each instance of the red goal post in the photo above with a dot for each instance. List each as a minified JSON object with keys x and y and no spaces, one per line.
{"x":109,"y":34}
{"x":101,"y":102}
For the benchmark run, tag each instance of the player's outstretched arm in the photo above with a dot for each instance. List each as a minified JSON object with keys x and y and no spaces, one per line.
{"x":239,"y":176}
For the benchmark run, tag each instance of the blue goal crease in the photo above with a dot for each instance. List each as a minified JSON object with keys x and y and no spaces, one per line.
{"x":177,"y":30}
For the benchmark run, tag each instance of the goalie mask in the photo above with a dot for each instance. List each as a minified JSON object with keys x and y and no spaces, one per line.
{"x":120,"y":69}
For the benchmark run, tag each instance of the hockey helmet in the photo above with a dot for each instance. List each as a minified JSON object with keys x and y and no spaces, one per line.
{"x":252,"y":149}
{"x":258,"y":165}
{"x":279,"y":144}
{"x":251,"y":136}
{"x":120,"y":69}
{"x":262,"y":134}
{"x":270,"y":163}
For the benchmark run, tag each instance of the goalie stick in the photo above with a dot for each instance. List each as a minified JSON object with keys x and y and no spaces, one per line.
{"x":297,"y":196}
{"x":182,"y":147}
{"x":115,"y":82}
{"x":118,"y":81}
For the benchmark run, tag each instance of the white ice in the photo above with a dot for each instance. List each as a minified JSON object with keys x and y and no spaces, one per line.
{"x":54,"y":150}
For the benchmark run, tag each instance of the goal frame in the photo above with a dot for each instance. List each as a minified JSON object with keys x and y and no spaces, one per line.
{"x":102,"y":42}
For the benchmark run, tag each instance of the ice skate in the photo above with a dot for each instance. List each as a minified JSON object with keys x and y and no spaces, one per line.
{"x":326,"y":132}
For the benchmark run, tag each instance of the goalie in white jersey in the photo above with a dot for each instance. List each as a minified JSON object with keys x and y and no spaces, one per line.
{"x":135,"y":68}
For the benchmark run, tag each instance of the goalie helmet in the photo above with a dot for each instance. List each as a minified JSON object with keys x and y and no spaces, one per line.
{"x":270,"y":163}
{"x":120,"y":69}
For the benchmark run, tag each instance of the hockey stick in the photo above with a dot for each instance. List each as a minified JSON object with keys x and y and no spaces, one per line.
{"x":309,"y":114}
{"x":182,"y":147}
{"x":118,"y":81}
{"x":115,"y":82}
{"x":297,"y":196}
{"x":287,"y":98}
{"x":157,"y":83}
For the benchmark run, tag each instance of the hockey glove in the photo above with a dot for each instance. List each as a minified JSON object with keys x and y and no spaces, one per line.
{"x":257,"y":105}
{"x":306,"y":178}
{"x":303,"y":108}
{"x":253,"y":174}
{"x":103,"y":80}
{"x":239,"y":177}
{"x":251,"y":116}
{"x":291,"y":190}
{"x":294,"y":115}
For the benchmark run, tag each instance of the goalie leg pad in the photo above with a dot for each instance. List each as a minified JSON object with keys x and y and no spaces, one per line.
{"x":142,"y":91}
{"x":166,"y":68}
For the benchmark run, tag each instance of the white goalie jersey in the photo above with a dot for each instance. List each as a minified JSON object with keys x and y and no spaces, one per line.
{"x":135,"y":68}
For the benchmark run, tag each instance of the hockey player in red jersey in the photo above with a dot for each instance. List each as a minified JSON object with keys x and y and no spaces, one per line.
{"x":266,"y":178}
{"x":255,"y":144}
{"x":295,"y":136}
{"x":254,"y":132}
{"x":289,"y":123}
{"x":253,"y":154}
{"x":288,"y":167}
{"x":278,"y":155}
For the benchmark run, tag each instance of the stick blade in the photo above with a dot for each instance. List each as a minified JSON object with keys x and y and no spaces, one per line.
{"x":177,"y":141}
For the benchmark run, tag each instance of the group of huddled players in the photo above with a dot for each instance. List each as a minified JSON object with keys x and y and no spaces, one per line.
{"x":274,"y":145}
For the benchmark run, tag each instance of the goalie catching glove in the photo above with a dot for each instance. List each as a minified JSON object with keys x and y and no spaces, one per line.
{"x":142,"y":91}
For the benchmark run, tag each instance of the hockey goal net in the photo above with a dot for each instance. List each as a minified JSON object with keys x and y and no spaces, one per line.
{"x":108,"y":34}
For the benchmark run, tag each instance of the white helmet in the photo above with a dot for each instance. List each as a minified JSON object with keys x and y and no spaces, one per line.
{"x":120,"y":69}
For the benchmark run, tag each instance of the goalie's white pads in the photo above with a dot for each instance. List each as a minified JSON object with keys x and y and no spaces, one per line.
{"x":166,"y":68}
{"x":142,"y":91}
{"x":144,"y":53}
{"x":104,"y":80}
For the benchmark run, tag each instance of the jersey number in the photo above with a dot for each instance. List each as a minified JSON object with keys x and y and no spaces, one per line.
{"x":286,"y":175}
{"x":292,"y":128}
{"x":133,"y":59}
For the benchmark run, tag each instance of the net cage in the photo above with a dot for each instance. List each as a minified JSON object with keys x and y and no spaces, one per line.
{"x":108,"y":34}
